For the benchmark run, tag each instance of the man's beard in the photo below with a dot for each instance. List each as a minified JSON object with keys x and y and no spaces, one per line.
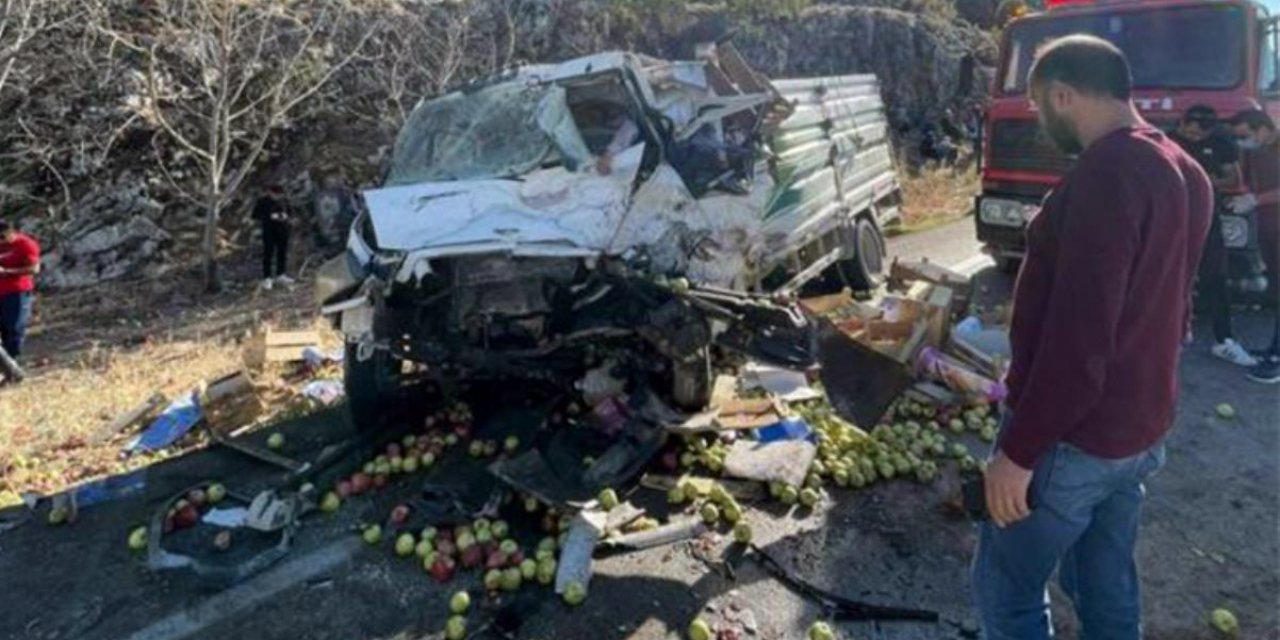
{"x":1060,"y":131}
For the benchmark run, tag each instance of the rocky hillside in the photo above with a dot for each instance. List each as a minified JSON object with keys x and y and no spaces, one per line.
{"x":128,"y":125}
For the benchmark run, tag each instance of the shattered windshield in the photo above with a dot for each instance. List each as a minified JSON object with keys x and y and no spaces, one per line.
{"x":499,"y":131}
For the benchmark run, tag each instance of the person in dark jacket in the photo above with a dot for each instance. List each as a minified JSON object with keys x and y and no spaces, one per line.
{"x":1258,"y":139}
{"x":1101,"y":307}
{"x":1200,"y":136}
{"x":272,"y":214}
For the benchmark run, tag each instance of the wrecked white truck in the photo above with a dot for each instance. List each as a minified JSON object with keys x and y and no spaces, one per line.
{"x":552,"y":219}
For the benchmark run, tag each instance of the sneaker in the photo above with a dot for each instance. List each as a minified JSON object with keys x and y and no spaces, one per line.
{"x":1232,"y":352}
{"x":267,"y":284}
{"x":1268,"y":373}
{"x":1265,"y":355}
{"x":284,"y":281}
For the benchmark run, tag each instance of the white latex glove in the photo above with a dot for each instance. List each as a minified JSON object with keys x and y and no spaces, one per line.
{"x":1243,"y":204}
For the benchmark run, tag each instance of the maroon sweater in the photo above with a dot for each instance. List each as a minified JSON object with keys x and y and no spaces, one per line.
{"x":1101,"y":303}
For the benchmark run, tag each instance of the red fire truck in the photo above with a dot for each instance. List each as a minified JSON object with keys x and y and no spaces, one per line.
{"x":1221,"y":53}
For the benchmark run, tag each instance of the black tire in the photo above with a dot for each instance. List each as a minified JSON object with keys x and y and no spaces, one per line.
{"x":865,"y":271}
{"x":691,"y":382}
{"x":369,"y":384}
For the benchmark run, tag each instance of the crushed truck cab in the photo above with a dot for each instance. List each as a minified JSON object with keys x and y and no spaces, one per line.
{"x":540,"y":220}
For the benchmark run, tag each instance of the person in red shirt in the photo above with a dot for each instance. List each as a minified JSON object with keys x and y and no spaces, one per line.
{"x":1256,"y":134}
{"x":19,"y":262}
{"x":1100,"y":309}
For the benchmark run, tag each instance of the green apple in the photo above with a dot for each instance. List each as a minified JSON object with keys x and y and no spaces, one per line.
{"x":138,"y":539}
{"x":821,"y":631}
{"x":456,"y":628}
{"x":529,"y":569}
{"x":330,"y":503}
{"x":405,"y":545}
{"x":459,"y":603}
{"x":574,"y":593}
{"x":608,"y":499}
{"x":700,"y":630}
{"x":215,"y":493}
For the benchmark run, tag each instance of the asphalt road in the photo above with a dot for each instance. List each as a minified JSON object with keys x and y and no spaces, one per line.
{"x":1210,"y":540}
{"x":952,"y":245}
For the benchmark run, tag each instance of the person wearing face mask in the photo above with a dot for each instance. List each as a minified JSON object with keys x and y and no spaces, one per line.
{"x":1256,"y":134}
{"x":1198,"y":134}
{"x":1100,"y":310}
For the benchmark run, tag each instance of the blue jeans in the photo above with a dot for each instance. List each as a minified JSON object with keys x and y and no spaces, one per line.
{"x":1084,"y":523}
{"x":15,"y":312}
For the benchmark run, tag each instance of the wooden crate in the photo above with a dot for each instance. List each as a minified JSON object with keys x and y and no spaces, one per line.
{"x":271,"y":345}
{"x":903,"y":274}
{"x":937,"y":301}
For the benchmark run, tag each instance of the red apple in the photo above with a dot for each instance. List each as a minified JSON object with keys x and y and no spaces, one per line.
{"x":197,"y":497}
{"x":445,"y":546}
{"x":671,"y":460}
{"x":360,"y":483}
{"x":186,"y":517}
{"x":168,"y":522}
{"x":497,"y":560}
{"x":472,"y":557}
{"x":344,"y":489}
{"x":399,"y":514}
{"x":443,"y":569}
{"x":517,"y":558}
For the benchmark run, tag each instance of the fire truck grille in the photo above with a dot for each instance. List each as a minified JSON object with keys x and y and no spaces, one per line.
{"x":1021,"y":145}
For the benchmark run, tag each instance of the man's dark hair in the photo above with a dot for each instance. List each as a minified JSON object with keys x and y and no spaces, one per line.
{"x":5,"y":226}
{"x":1087,"y":64}
{"x":1202,"y":115}
{"x":1254,"y":119}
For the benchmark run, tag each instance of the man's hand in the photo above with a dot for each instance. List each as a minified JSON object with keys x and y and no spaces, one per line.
{"x":1243,"y":204}
{"x":1006,"y":488}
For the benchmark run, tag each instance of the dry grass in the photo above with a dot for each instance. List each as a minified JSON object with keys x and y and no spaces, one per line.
{"x":97,"y":361}
{"x":46,"y":424}
{"x":937,"y":195}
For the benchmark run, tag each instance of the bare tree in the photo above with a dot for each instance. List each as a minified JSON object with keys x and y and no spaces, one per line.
{"x":19,"y":23}
{"x":221,"y":77}
{"x":419,"y":52}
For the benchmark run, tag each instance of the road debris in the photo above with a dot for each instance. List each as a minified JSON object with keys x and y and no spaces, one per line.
{"x":839,"y":607}
{"x":129,"y":418}
{"x":271,"y":345}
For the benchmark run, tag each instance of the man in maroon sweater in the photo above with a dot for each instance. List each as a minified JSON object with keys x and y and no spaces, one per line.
{"x":1100,"y":309}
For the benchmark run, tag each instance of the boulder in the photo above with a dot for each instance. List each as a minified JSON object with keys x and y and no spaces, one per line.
{"x":111,"y":235}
